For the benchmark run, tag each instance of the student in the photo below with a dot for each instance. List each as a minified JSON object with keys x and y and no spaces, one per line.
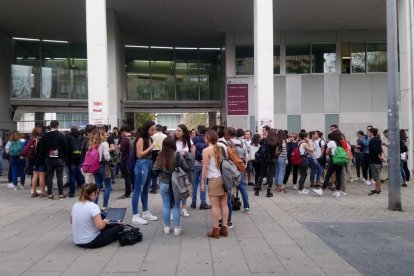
{"x":14,"y":148}
{"x":281,"y":161}
{"x":305,"y":149}
{"x":163,"y":168}
{"x":89,"y":230}
{"x":39,"y":166}
{"x":218,"y":196}
{"x":291,"y":145}
{"x":375,"y":159}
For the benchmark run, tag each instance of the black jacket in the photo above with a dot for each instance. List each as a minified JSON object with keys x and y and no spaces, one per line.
{"x":54,"y":140}
{"x":375,"y":151}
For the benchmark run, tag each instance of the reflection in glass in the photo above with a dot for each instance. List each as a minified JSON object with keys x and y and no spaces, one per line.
{"x":323,"y":58}
{"x":138,"y":80}
{"x":162,"y":74}
{"x":79,"y":70}
{"x":276,"y":59}
{"x":26,"y":69}
{"x":186,"y":74}
{"x":67,"y":120}
{"x":358,"y":57}
{"x":244,"y":60}
{"x":298,"y":59}
{"x":346,"y":58}
{"x":377,"y":57}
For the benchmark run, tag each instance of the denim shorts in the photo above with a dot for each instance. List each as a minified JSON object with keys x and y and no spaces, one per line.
{"x":39,"y":168}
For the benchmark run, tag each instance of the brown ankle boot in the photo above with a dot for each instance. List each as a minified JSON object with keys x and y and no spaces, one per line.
{"x":215,"y":233}
{"x":223,"y":231}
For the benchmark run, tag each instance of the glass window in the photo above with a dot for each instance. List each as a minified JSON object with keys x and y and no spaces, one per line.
{"x":26,"y":69}
{"x":323,"y":58}
{"x":330,"y":119}
{"x":162,"y":74}
{"x":244,"y":60}
{"x":79,"y":70}
{"x":346,"y":58}
{"x":55,"y":70}
{"x":186,"y":74}
{"x":298,"y":59}
{"x":294,"y":123}
{"x":67,"y":120}
{"x":358,"y":57}
{"x":138,"y":74}
{"x":377,"y":57}
{"x":276,"y":59}
{"x":209,"y":75}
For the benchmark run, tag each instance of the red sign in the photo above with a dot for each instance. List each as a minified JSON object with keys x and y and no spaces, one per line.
{"x":237,"y":99}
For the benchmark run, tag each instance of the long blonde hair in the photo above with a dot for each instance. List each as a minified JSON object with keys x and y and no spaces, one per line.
{"x":98,"y":136}
{"x":212,"y":137}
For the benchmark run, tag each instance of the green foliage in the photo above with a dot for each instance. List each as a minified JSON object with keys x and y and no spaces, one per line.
{"x":195,"y":119}
{"x":142,"y":117}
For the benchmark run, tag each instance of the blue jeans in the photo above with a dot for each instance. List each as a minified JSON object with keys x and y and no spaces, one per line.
{"x":280,"y":171}
{"x":243,"y":190}
{"x":1,"y":161}
{"x":99,"y":179}
{"x":316,"y":170}
{"x":75,"y":175}
{"x":403,"y":176}
{"x":153,"y":182}
{"x":229,"y":205}
{"x":166,"y":206}
{"x":196,"y":182}
{"x":17,"y":169}
{"x":143,"y":168}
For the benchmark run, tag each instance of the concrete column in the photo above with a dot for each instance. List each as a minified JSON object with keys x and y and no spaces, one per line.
{"x":406,"y":73}
{"x":263,"y":61}
{"x":6,"y":120}
{"x":96,"y":32}
{"x":116,"y":69}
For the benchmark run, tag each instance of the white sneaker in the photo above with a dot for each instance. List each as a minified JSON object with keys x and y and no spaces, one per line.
{"x":185,"y":213}
{"x":247,"y":210}
{"x":367,"y":182}
{"x":167,"y":230}
{"x":10,"y":186}
{"x":372,"y":182}
{"x":138,"y":220}
{"x":336,"y":194}
{"x":319,"y":192}
{"x":15,"y":188}
{"x":303,"y":192}
{"x":148,"y":216}
{"x":171,"y":217}
{"x":306,"y":190}
{"x":21,"y":187}
{"x":38,"y":191}
{"x":295,"y":187}
{"x":363,"y":179}
{"x":343,"y":193}
{"x":178,"y":231}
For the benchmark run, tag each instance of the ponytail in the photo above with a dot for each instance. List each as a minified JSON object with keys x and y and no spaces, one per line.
{"x":217,"y":155}
{"x":86,"y":191}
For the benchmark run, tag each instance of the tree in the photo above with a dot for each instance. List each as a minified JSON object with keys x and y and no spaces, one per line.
{"x":142,"y":117}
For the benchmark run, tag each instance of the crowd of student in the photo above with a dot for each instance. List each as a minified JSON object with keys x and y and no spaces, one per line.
{"x":148,"y":157}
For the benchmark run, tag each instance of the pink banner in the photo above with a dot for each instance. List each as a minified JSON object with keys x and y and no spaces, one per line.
{"x":237,"y":99}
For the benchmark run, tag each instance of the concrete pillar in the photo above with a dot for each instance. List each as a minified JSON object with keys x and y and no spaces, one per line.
{"x":96,"y":32}
{"x":263,"y":62}
{"x":406,"y":72}
{"x":6,"y":120}
{"x":116,"y":69}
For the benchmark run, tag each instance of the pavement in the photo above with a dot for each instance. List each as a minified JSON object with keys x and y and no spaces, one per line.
{"x":284,"y":235}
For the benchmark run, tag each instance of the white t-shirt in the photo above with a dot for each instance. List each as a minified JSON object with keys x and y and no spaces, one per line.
{"x":317,"y":151}
{"x":332,"y":145}
{"x":180,"y":146}
{"x":83,"y":229}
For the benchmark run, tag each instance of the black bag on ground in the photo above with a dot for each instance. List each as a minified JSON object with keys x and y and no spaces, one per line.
{"x":236,"y":202}
{"x":130,"y":235}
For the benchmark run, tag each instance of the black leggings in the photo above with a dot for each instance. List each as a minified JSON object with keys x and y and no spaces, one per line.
{"x":331,"y":169}
{"x":289,"y":168}
{"x":107,"y":235}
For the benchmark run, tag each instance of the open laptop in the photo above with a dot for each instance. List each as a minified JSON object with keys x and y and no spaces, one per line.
{"x":115,"y":215}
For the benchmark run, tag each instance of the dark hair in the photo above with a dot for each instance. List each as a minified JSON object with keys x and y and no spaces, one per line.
{"x":385,"y":131}
{"x":281,"y":135}
{"x":256,"y":139}
{"x":271,"y":138}
{"x":374,"y":131}
{"x":334,"y":126}
{"x":231,"y":131}
{"x":159,"y":127}
{"x":267,"y":128}
{"x":403,"y":135}
{"x":86,"y":191}
{"x":336,"y":136}
{"x":125,"y":129}
{"x":302,"y":135}
{"x":220,"y":130}
{"x":106,"y":128}
{"x":201,"y":129}
{"x":54,"y":124}
{"x":239,"y":132}
{"x":166,"y":156}
{"x":89,"y":128}
{"x":362,"y":133}
{"x":144,"y":133}
{"x":186,"y":136}
{"x":320,"y":134}
{"x":311,"y":133}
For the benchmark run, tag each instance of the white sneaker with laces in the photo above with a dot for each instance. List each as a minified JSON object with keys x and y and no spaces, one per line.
{"x":367,"y":182}
{"x":303,"y":192}
{"x":10,"y":186}
{"x":336,"y":194}
{"x":295,"y":187}
{"x":306,"y":190}
{"x":148,"y":216}
{"x":178,"y":231}
{"x":185,"y":213}
{"x":138,"y":220}
{"x":319,"y":192}
{"x":167,"y":230}
{"x":342,"y":193}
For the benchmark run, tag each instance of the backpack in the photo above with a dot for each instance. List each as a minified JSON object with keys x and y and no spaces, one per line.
{"x":241,"y":151}
{"x":236,"y":202}
{"x":76,"y":146}
{"x":261,"y":154}
{"x":29,"y":150}
{"x":229,"y":172}
{"x":132,"y":158}
{"x":15,"y":148}
{"x":130,"y":235}
{"x":179,"y":178}
{"x":295,"y":158}
{"x":340,"y":157}
{"x":91,"y":164}
{"x":233,"y":156}
{"x":199,"y":146}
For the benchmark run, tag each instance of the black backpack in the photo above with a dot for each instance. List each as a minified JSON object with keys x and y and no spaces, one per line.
{"x":130,"y":235}
{"x":76,"y":148}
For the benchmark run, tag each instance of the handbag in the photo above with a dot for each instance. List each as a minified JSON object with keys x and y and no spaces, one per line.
{"x":130,"y":235}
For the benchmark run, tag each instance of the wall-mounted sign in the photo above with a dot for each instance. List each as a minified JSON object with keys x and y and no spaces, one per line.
{"x":237,"y":99}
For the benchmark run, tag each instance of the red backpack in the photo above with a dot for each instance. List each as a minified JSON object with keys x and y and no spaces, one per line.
{"x":295,"y":158}
{"x":91,"y":163}
{"x":29,"y":150}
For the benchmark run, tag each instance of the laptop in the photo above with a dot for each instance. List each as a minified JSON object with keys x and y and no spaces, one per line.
{"x":115,"y":215}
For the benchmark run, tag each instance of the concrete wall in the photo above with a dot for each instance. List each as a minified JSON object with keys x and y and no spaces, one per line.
{"x":5,"y":77}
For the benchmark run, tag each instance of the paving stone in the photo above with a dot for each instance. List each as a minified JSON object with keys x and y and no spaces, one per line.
{"x":55,"y":262}
{"x":11,"y":268}
{"x":84,"y":268}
